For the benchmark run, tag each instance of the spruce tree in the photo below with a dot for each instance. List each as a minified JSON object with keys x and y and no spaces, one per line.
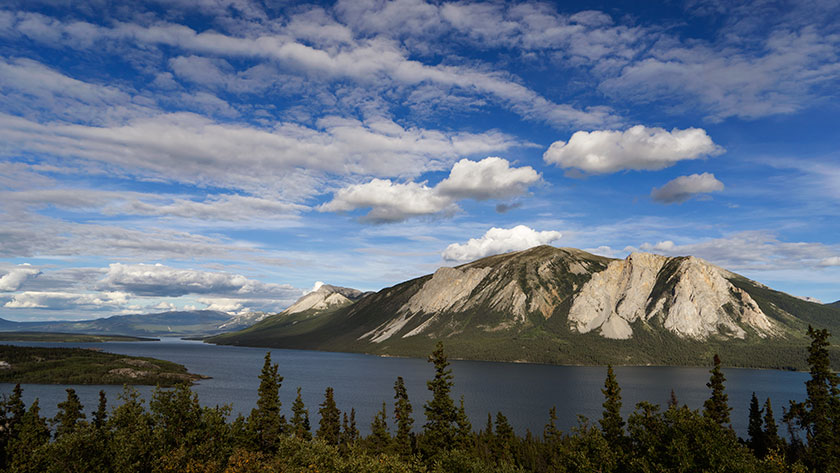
{"x":463,"y":435}
{"x":717,"y":407}
{"x":329,"y":427}
{"x":770,"y":433}
{"x":33,"y":433}
{"x":819,"y":415}
{"x":754,"y":428}
{"x":265,"y":422}
{"x":352,"y":430}
{"x":439,"y":430}
{"x":672,"y":401}
{"x":101,"y":414}
{"x":551,"y":434}
{"x":402,"y":417}
{"x":612,"y":425}
{"x":70,"y":412}
{"x":300,"y":419}
{"x":13,"y":411}
{"x":379,"y":439}
{"x":505,"y":440}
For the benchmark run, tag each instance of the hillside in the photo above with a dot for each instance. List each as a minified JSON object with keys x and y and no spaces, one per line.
{"x":195,"y":323}
{"x":567,"y":306}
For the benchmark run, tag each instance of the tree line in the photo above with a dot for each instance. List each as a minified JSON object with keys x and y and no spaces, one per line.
{"x":175,"y":433}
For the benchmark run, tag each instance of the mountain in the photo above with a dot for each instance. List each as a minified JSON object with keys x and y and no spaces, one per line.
{"x":834,"y":304}
{"x":563,"y":305}
{"x":193,"y":323}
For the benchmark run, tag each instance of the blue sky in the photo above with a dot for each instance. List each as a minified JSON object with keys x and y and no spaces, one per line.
{"x":228,"y":154}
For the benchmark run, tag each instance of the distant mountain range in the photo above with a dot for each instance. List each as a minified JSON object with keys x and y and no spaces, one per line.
{"x":559,"y":305}
{"x":195,"y":323}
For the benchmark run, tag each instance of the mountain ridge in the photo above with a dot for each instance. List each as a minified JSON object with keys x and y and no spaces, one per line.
{"x":563,"y":305}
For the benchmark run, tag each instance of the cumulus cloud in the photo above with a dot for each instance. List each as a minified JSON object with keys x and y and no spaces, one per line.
{"x":499,"y":240}
{"x":16,"y":276}
{"x":638,"y":148}
{"x":67,"y":300}
{"x":685,"y":187}
{"x":831,"y":261}
{"x":222,"y":304}
{"x":165,"y":281}
{"x":490,"y":178}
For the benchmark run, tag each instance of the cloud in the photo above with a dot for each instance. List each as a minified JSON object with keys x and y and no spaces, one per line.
{"x":67,"y":301}
{"x":164,"y":281}
{"x":221,"y":304}
{"x":490,"y":178}
{"x":499,"y":240}
{"x":638,"y":148}
{"x":831,"y":261}
{"x":12,"y":280}
{"x":752,"y":251}
{"x":685,"y":187}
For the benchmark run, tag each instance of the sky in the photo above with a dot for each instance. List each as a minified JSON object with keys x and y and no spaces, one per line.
{"x":231,"y":154}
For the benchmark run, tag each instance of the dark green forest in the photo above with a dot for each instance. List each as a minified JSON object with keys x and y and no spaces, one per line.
{"x":175,"y":433}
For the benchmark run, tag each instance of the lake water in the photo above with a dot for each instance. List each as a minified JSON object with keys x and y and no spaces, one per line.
{"x":523,"y":392}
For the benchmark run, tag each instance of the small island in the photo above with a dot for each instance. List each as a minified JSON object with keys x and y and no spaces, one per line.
{"x":42,"y":365}
{"x":57,"y":337}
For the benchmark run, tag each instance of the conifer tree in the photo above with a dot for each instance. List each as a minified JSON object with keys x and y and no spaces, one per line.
{"x":32,"y":434}
{"x":402,"y":417}
{"x":265,"y":422}
{"x":672,"y":401}
{"x":101,"y":414}
{"x":770,"y":433}
{"x":439,"y":430}
{"x":505,"y":440}
{"x":754,"y":430}
{"x":717,"y":407}
{"x":612,"y":424}
{"x":300,"y":419}
{"x":551,"y":434}
{"x":70,"y":412}
{"x":13,"y":411}
{"x":352,"y":430}
{"x":379,"y":439}
{"x":819,"y":415}
{"x":329,"y":427}
{"x":463,"y":435}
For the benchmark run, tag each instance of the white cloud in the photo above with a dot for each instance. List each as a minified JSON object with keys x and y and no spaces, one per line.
{"x":638,"y":147}
{"x":391,"y":201}
{"x":831,"y":261}
{"x":499,"y":240}
{"x":685,"y":187}
{"x":222,"y":304}
{"x":490,"y":178}
{"x":16,"y":276}
{"x":67,"y":300}
{"x":164,"y":281}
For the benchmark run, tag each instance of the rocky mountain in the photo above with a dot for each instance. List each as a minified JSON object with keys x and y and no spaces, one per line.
{"x":191,"y":323}
{"x":324,"y":297}
{"x":563,"y":305}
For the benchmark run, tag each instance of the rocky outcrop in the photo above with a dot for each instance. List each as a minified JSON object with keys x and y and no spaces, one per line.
{"x":324,"y":297}
{"x":687,"y":296}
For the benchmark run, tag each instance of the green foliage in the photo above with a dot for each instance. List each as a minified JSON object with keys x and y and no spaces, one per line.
{"x":300,"y":419}
{"x":379,"y":440}
{"x":612,"y":423}
{"x":70,"y":412}
{"x":754,"y":427}
{"x":266,"y":423}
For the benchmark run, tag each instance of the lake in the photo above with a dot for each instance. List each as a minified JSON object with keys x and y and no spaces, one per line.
{"x":523,"y":392}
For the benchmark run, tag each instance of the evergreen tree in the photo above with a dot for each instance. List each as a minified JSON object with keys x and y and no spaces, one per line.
{"x":329,"y":427}
{"x":612,"y":424}
{"x":463,"y":435}
{"x":402,"y":417}
{"x":101,"y":414}
{"x":265,"y":422}
{"x":13,"y":411}
{"x":754,"y":430}
{"x":70,"y":412}
{"x":716,"y":407}
{"x":300,"y":419}
{"x":349,"y":432}
{"x":819,"y":415}
{"x":672,"y":401}
{"x":551,"y":434}
{"x":379,"y":439}
{"x":505,"y":440}
{"x":33,"y":434}
{"x":771,"y":430}
{"x":439,"y":430}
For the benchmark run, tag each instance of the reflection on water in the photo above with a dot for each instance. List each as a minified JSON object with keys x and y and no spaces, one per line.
{"x":523,"y":392}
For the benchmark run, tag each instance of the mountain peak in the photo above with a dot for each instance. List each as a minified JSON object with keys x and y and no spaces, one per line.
{"x":325,"y":296}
